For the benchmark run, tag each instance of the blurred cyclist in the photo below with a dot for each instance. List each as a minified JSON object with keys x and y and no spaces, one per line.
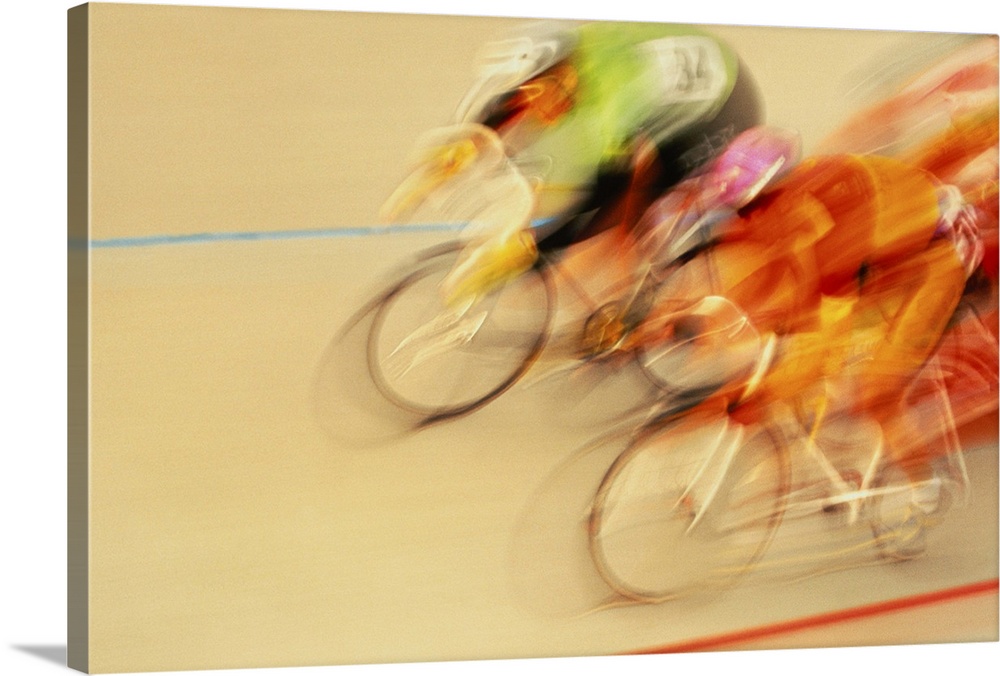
{"x":571,"y":130}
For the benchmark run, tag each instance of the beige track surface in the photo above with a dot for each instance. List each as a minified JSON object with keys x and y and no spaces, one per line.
{"x":233,"y":522}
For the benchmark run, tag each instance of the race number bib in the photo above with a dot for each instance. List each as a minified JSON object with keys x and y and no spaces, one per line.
{"x":687,"y":68}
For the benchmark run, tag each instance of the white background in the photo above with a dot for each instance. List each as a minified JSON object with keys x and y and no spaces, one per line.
{"x":33,"y":326}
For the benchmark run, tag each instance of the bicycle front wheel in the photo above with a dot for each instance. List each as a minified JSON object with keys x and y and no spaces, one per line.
{"x":439,"y":362}
{"x":687,"y":507}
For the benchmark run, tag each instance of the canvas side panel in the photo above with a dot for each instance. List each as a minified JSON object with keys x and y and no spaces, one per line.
{"x":78,"y":377}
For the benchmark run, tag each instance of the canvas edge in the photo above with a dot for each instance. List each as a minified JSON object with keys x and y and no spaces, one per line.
{"x":78,"y":328}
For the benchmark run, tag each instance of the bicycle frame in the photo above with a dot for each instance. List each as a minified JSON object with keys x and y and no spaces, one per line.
{"x":825,"y":488}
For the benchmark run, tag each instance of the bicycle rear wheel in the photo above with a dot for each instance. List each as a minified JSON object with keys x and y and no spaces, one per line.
{"x":671,"y":518}
{"x":440,"y":363}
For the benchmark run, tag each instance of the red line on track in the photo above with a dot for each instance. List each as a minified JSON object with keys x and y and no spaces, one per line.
{"x":825,"y":619}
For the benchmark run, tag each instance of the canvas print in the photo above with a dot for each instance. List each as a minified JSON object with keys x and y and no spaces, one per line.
{"x":400,"y":338}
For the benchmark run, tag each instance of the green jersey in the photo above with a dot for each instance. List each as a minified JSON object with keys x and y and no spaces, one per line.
{"x":665,"y":84}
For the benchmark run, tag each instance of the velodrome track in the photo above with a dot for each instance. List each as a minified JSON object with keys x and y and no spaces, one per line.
{"x":235,"y":514}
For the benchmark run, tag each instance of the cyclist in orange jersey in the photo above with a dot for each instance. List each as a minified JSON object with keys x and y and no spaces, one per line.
{"x":856,"y":265}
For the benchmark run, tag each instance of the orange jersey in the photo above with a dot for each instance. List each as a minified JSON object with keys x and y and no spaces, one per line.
{"x":840,"y":259}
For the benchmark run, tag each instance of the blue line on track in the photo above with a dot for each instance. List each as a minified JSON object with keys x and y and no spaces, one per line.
{"x":210,"y":237}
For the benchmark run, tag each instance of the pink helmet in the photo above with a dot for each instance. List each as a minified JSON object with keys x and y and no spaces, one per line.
{"x":754,"y":159}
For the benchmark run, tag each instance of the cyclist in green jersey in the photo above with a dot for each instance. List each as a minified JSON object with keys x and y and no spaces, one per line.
{"x":569,"y":131}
